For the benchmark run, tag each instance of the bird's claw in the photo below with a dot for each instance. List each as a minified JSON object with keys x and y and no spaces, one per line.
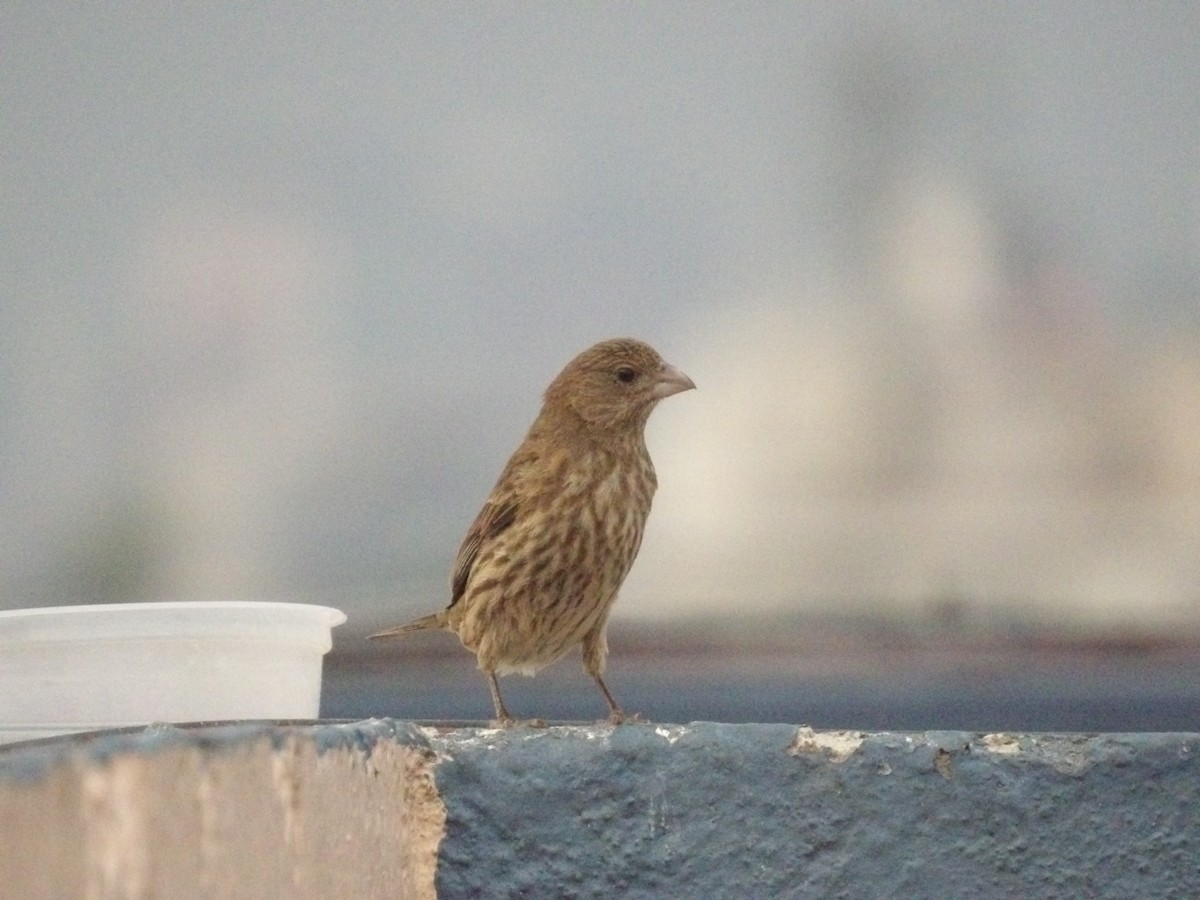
{"x":620,"y":717}
{"x":509,"y":722}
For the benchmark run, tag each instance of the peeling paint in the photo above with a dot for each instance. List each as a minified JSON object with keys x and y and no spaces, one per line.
{"x":1007,"y":744}
{"x":672,"y":733}
{"x":837,"y":746}
{"x":943,"y":762}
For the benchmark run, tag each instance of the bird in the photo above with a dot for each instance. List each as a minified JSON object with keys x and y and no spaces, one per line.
{"x":540,"y":566}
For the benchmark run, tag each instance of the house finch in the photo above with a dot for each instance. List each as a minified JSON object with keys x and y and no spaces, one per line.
{"x":539,"y":568}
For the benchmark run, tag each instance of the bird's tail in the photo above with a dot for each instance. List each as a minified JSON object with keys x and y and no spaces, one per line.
{"x":433,"y":620}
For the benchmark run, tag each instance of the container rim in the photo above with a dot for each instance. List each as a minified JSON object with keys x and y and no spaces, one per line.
{"x":331,"y":615}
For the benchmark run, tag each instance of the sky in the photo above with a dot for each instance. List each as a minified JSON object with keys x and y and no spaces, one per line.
{"x":283,"y":283}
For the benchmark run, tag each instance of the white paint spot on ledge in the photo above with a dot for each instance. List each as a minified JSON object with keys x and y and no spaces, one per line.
{"x":839,"y":746}
{"x":1007,"y":744}
{"x":671,"y":732}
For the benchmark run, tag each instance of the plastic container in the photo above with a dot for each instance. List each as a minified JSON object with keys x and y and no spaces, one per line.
{"x":66,"y":669}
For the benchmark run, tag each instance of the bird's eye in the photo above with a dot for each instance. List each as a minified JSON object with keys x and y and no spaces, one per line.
{"x":626,"y":374}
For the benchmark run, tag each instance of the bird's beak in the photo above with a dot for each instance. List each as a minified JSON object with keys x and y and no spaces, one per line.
{"x":671,"y":381}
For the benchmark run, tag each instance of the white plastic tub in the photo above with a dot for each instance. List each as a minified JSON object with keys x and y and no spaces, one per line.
{"x":78,"y":668}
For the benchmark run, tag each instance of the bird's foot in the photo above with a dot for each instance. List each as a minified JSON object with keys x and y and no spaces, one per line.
{"x":620,"y":717}
{"x":510,"y":722}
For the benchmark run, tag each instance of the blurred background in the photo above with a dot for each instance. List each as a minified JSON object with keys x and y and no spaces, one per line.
{"x":281,"y":285}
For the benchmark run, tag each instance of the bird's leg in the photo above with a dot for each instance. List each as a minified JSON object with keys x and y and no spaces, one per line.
{"x":503,"y":717}
{"x":595,"y":649}
{"x":616,"y":715}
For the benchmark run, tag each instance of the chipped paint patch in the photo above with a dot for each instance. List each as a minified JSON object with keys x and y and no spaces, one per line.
{"x":943,"y":762}
{"x":672,"y":733}
{"x":838,"y":746}
{"x":1007,"y":744}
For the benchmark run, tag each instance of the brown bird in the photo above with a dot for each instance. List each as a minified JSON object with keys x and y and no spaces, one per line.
{"x":539,"y":568}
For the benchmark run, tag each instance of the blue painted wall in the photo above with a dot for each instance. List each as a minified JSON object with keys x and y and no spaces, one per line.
{"x":744,"y":811}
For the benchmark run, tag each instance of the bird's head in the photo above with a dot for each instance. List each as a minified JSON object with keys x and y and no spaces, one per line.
{"x":615,"y":384}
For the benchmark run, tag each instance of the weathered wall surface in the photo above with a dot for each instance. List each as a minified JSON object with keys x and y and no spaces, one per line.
{"x":772,"y":811}
{"x":227,"y":812}
{"x":384,"y":809}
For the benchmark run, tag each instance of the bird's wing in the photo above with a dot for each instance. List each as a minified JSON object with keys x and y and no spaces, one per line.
{"x":497,"y":514}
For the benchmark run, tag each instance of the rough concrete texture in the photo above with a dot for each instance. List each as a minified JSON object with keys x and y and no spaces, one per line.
{"x":702,"y":810}
{"x":710,"y":811}
{"x":235,"y":811}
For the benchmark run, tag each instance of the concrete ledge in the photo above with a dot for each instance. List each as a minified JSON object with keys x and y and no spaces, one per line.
{"x":236,"y":811}
{"x":766,"y":810}
{"x":386,"y":809}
